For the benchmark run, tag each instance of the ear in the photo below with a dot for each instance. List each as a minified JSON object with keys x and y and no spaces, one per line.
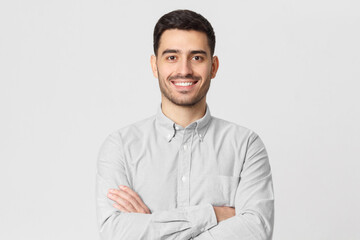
{"x":214,"y":66}
{"x":154,"y":66}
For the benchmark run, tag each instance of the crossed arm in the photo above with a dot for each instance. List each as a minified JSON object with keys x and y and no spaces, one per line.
{"x":128,"y":201}
{"x":123,"y":215}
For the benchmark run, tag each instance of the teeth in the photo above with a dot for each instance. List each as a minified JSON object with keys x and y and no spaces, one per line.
{"x":183,"y":83}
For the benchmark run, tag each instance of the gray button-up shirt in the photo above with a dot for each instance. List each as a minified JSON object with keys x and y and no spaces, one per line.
{"x":180,"y":173}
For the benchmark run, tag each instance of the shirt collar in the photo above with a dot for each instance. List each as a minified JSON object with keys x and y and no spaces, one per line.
{"x":168,"y":128}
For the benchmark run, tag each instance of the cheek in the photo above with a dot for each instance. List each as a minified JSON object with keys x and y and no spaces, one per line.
{"x":204,"y":67}
{"x":205,"y":72}
{"x":165,"y":72}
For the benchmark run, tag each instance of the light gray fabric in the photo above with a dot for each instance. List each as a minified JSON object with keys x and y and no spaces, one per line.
{"x":180,"y":173}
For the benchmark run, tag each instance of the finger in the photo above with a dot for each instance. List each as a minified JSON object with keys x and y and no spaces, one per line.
{"x":129,"y":198}
{"x":135,"y":196}
{"x":125,"y":195}
{"x":233,"y":211}
{"x":121,"y":201}
{"x":119,"y":207}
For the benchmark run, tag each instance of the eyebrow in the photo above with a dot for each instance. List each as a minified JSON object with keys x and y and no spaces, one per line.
{"x":199,"y":52}
{"x":178,"y":51}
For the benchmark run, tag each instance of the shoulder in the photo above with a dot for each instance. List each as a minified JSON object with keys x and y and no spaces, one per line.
{"x":232,"y":132}
{"x":238,"y":136}
{"x":222,"y":125}
{"x":132,"y":131}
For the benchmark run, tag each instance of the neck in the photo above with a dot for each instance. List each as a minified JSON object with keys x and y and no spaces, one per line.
{"x":183,"y":115}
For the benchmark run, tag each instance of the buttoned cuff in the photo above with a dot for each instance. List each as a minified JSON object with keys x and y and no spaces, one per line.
{"x":202,"y":218}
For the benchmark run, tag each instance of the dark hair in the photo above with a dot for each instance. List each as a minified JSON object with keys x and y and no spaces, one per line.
{"x":184,"y":20}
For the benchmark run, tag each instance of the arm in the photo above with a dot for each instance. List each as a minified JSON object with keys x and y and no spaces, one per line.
{"x":254,"y":200}
{"x":181,"y":223}
{"x":128,"y":201}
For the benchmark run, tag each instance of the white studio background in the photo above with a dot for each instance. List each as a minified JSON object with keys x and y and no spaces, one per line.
{"x":71,"y":72}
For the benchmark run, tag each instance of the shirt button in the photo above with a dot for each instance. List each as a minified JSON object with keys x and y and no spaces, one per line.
{"x":183,"y":179}
{"x":185,"y":147}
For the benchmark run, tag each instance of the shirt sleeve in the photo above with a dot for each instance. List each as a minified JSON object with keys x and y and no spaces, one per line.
{"x":254,"y":200}
{"x":180,"y":223}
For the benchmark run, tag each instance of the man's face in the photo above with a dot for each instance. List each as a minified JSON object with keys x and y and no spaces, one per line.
{"x":184,"y":66}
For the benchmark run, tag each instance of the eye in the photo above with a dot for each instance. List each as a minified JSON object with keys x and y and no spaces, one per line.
{"x":197,"y":58}
{"x":171,"y":58}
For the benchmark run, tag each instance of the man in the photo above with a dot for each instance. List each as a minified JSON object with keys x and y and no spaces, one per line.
{"x":184,"y":174}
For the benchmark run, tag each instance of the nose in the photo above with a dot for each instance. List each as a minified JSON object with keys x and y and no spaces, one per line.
{"x":184,"y":67}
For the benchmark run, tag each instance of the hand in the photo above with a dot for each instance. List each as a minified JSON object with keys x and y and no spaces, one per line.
{"x":223,"y":213}
{"x":126,"y":200}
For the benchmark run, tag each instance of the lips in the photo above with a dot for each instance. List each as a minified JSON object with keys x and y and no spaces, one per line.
{"x":184,"y":84}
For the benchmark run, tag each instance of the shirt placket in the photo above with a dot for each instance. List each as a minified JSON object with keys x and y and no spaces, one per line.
{"x":184,"y":169}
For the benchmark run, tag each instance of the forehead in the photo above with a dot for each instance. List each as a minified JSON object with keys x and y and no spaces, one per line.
{"x":184,"y":40}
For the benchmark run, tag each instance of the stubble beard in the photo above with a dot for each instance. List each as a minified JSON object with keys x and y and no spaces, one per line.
{"x":186,"y":102}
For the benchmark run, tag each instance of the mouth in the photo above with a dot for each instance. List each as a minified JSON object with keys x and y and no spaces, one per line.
{"x":184,"y":84}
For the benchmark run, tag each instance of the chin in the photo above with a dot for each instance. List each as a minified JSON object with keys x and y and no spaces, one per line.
{"x":186,"y":102}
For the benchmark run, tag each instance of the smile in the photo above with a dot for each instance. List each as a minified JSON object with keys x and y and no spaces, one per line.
{"x":184,"y":83}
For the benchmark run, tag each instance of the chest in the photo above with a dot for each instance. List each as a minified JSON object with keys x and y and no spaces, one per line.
{"x":184,"y":173}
